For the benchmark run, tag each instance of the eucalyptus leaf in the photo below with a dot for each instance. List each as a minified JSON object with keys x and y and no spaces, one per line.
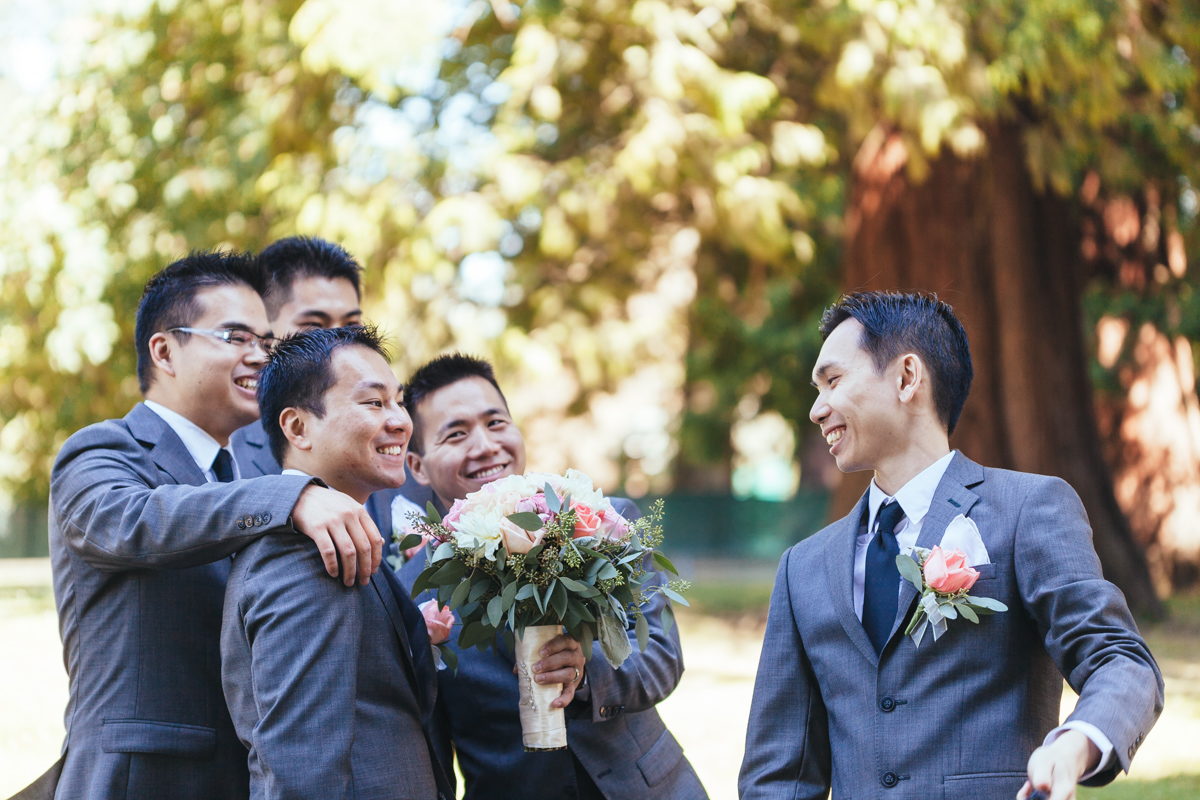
{"x":479,"y":590}
{"x":988,"y":603}
{"x":495,"y":611}
{"x":422,"y":581}
{"x":558,"y":599}
{"x":526,"y":520}
{"x":965,"y":610}
{"x":525,"y":592}
{"x":607,"y":571}
{"x":581,"y":610}
{"x":585,"y":640}
{"x":460,"y":594}
{"x":910,"y":571}
{"x":643,"y":633}
{"x":674,"y":595}
{"x":552,"y":501}
{"x":664,"y":562}
{"x":444,"y":550}
{"x":432,"y":512}
{"x":948,"y":610}
{"x":614,"y":643}
{"x":449,"y":573}
{"x":448,"y":656}
{"x":509,"y":594}
{"x":410,"y":541}
{"x":668,"y":619}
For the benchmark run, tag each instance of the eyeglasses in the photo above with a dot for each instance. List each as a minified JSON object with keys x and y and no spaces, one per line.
{"x":235,"y":336}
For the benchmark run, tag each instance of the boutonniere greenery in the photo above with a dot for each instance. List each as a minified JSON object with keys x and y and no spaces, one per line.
{"x":943,"y":580}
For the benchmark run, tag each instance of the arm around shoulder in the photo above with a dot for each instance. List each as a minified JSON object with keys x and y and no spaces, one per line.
{"x":113,"y":511}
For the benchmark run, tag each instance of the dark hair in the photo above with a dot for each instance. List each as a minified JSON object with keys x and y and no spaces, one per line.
{"x":169,"y":299}
{"x":895,"y":323}
{"x":295,"y":257}
{"x":438,"y":374}
{"x":300,"y":372}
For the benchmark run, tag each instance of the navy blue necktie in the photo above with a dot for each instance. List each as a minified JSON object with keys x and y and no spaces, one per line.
{"x":881,"y":589}
{"x":222,"y":466}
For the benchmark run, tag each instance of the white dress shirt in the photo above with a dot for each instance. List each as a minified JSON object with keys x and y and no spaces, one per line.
{"x":914,"y":498}
{"x":202,"y":447}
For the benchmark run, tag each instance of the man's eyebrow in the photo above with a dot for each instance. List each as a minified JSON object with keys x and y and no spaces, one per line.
{"x":822,"y":370}
{"x":241,"y":326}
{"x":315,"y":312}
{"x":375,"y":385}
{"x":454,"y":423}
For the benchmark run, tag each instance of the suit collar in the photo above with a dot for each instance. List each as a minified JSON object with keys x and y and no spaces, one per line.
{"x":254,"y":436}
{"x":839,"y":566}
{"x":166,"y":448}
{"x":953,"y":497}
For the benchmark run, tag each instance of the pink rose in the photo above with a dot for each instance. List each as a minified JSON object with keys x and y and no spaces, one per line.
{"x":454,"y":513}
{"x":439,"y":621}
{"x":587,"y":522}
{"x":947,"y":572}
{"x":534,"y":505}
{"x":516,"y":539}
{"x":613,"y":527}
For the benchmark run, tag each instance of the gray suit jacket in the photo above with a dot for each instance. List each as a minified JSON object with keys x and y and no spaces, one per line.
{"x":959,"y":717}
{"x":319,"y":680}
{"x":139,"y":543}
{"x":616,"y":735}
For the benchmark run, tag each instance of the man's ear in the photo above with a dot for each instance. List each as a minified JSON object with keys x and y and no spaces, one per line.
{"x":417,"y":467}
{"x":910,"y":378}
{"x":294,"y":428}
{"x":161,"y":353}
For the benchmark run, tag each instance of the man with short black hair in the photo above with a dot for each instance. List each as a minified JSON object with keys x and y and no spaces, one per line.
{"x":329,"y":686}
{"x":144,"y":513}
{"x":843,"y":697}
{"x":309,"y":283}
{"x":617,"y":745}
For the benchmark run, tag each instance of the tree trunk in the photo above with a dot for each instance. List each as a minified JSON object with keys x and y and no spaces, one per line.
{"x":1006,"y":257}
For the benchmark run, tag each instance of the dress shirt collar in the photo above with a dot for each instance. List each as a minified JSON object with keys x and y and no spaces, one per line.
{"x":202,"y":447}
{"x":914,"y":497}
{"x":291,"y":471}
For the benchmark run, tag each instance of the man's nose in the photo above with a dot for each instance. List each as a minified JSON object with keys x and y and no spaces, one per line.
{"x":483,"y":443}
{"x":820,"y":410}
{"x":256,"y":355}
{"x":399,"y":420}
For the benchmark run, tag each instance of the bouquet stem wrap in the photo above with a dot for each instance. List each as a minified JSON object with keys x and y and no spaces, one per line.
{"x":542,"y":727}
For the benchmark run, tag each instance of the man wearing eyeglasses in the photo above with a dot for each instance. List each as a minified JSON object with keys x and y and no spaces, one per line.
{"x":144,"y":513}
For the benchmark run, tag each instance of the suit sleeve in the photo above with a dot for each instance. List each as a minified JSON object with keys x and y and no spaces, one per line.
{"x":112,"y":512}
{"x":1085,"y":622}
{"x":303,"y":630}
{"x":787,"y":741}
{"x":645,"y":679}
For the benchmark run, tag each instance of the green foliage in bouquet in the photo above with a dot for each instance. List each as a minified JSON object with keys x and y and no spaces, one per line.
{"x":592,"y":586}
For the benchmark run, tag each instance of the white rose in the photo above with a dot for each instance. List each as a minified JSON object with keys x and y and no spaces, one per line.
{"x":476,"y":531}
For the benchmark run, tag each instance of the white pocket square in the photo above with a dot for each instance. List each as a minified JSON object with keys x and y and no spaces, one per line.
{"x":962,"y":533}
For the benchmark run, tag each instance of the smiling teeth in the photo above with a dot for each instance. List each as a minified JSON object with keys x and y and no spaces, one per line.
{"x":394,"y":450}
{"x":835,"y":436}
{"x":487,"y":473}
{"x":247,"y":383}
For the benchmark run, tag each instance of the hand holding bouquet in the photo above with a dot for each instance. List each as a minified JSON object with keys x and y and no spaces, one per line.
{"x":543,"y":551}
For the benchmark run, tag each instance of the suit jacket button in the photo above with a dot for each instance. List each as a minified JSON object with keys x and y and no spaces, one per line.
{"x":887,"y":704}
{"x":249,"y":520}
{"x":266,"y":518}
{"x":889,"y":780}
{"x":603,"y":712}
{"x":241,"y":524}
{"x":258,"y":519}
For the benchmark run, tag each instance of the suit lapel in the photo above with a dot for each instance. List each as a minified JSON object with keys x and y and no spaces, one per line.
{"x":951,"y":499}
{"x":418,"y":666}
{"x":166,"y":448}
{"x":839,"y":567}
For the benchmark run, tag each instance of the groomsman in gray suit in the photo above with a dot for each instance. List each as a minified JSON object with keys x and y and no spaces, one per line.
{"x":144,"y":513}
{"x":310,"y":283}
{"x":329,"y":686}
{"x":843,"y":698}
{"x":617,"y":745}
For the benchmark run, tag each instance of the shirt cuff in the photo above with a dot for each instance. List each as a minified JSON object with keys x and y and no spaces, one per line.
{"x":583,"y":692}
{"x":1092,"y":732}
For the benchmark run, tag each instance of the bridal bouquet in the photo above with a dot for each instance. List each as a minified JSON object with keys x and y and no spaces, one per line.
{"x":528,"y":555}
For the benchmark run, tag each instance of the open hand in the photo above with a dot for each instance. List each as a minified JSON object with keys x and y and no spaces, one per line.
{"x":562,"y":662}
{"x":339,"y":525}
{"x":1055,"y":769}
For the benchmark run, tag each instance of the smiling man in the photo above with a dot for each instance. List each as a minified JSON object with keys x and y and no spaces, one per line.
{"x":329,"y":686}
{"x":617,"y":745}
{"x":843,"y":698}
{"x":144,"y":513}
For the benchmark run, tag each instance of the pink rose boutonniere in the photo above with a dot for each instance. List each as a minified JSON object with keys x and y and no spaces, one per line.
{"x":943,"y":580}
{"x":439,"y":622}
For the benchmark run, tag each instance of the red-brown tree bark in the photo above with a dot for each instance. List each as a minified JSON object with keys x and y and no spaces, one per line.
{"x":978,"y":234}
